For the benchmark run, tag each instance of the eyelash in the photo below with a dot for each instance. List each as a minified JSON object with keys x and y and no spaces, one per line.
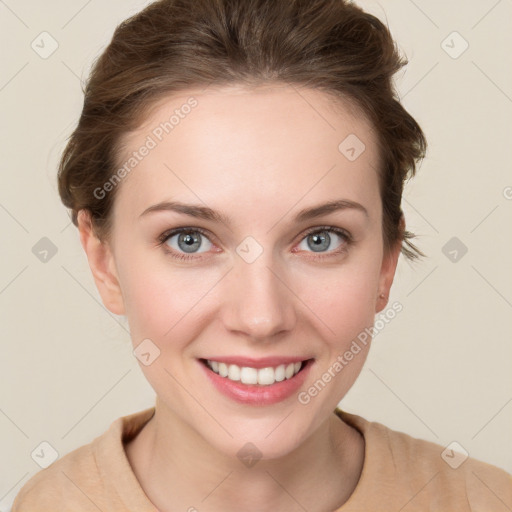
{"x":344,"y":235}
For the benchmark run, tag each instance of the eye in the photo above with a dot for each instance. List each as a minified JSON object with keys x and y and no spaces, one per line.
{"x":185,"y":242}
{"x":319,"y":240}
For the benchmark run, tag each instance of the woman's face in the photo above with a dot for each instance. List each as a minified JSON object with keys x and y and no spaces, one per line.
{"x":268,"y":285}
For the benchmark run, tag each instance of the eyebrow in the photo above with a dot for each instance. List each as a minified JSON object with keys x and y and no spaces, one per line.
{"x":203,"y":212}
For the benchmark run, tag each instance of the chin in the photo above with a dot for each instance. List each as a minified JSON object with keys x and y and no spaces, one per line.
{"x":266,"y":437}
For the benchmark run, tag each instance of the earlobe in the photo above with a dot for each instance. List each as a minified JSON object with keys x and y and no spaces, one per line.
{"x":101,"y":263}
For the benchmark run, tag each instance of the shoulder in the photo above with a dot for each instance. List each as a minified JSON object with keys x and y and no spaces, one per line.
{"x":96,"y":476}
{"x":70,"y":479}
{"x":419,"y":474}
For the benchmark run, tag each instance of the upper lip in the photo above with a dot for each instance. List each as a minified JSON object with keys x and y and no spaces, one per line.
{"x":262,"y":362}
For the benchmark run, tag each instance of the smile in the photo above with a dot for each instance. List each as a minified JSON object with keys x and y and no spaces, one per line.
{"x":256,"y":382}
{"x":248,"y":375}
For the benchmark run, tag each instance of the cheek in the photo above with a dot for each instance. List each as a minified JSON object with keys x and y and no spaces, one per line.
{"x":160,"y":301}
{"x":344,"y":300}
{"x":345,"y":303}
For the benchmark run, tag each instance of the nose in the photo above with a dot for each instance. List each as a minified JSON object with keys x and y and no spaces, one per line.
{"x":259,"y":303}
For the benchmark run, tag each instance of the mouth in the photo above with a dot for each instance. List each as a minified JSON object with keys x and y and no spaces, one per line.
{"x":263,"y":376}
{"x":257,"y":382}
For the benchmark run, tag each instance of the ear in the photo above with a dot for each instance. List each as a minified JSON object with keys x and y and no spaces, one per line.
{"x":101,"y":262}
{"x":387,"y":271}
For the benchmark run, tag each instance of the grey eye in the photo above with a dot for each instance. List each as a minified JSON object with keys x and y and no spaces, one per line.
{"x":188,"y":241}
{"x":320,"y":241}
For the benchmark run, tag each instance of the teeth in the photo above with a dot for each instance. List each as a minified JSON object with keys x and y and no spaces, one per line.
{"x":279,"y":373}
{"x":223,"y":369}
{"x":262,"y":376}
{"x":266,"y":376}
{"x":233,"y":372}
{"x":248,"y":375}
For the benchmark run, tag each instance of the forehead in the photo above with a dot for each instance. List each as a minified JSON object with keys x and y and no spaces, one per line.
{"x":233,"y":144}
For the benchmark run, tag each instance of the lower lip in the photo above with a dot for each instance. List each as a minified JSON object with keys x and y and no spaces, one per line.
{"x":253,"y":394}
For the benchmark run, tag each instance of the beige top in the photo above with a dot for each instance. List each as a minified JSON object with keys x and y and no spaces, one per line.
{"x":400,"y":473}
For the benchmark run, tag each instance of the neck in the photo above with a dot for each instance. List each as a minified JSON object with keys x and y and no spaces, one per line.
{"x":178,"y":470}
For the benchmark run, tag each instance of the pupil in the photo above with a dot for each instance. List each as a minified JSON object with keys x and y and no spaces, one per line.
{"x":320,"y":241}
{"x":190,"y":242}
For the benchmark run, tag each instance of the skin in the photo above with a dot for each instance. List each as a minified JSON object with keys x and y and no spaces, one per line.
{"x":259,"y":156}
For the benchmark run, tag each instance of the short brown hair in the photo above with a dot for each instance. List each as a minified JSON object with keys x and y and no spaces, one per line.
{"x":174,"y":45}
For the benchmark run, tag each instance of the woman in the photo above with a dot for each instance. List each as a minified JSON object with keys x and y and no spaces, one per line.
{"x":236,"y":178}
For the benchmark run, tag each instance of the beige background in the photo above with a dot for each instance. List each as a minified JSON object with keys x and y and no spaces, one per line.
{"x":440,"y":371}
